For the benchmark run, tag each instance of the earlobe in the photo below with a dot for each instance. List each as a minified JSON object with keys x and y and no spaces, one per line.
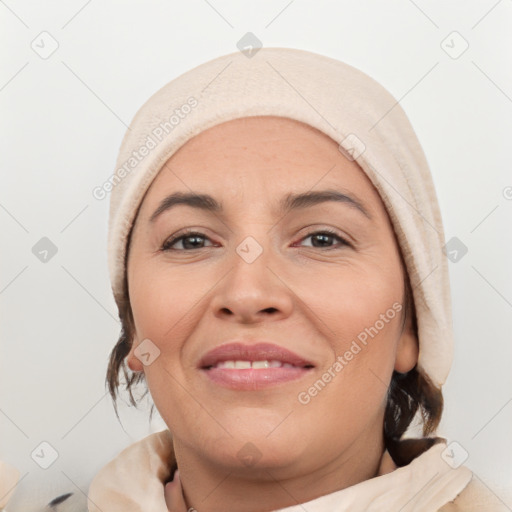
{"x":134,"y":363}
{"x":407,"y":350}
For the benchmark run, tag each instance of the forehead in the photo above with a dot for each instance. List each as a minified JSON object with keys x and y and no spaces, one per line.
{"x":261,"y":156}
{"x":262,"y":140}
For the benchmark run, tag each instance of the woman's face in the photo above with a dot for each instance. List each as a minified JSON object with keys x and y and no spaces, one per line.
{"x":319,"y":278}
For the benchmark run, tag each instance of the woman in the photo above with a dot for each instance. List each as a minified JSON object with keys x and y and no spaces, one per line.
{"x":275,"y":249}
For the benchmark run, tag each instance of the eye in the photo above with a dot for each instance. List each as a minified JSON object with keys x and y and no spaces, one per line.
{"x":188,"y":240}
{"x":195,"y":240}
{"x":322,"y":238}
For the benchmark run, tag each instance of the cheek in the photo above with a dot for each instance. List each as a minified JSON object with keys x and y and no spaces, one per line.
{"x":164,"y":304}
{"x":354,"y":301}
{"x":359,"y":313}
{"x":162,"y":313}
{"x":163,"y":301}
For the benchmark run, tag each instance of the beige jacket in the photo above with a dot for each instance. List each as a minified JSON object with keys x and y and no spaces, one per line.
{"x":9,"y":477}
{"x":134,"y":482}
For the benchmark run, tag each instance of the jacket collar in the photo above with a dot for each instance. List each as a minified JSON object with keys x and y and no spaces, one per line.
{"x":9,"y":477}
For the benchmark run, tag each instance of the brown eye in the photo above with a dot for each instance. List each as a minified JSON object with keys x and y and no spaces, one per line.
{"x":191,"y":240}
{"x":321,"y":239}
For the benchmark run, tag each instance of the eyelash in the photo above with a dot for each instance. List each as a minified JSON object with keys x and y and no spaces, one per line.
{"x":170,"y":242}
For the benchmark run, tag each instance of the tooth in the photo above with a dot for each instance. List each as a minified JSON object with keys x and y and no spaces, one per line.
{"x":245,"y":365}
{"x":260,"y":364}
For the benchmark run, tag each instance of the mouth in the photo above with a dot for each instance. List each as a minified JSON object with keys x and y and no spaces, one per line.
{"x":251,"y":367}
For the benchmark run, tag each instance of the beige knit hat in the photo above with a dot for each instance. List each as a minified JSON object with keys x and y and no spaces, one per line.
{"x":337,"y":99}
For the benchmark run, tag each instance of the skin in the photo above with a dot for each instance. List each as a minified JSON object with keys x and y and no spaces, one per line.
{"x":322,"y":294}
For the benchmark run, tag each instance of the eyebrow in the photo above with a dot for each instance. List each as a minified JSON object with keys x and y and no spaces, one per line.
{"x":290,"y":202}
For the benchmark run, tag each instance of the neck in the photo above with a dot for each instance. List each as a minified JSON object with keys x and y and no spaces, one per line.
{"x":209,"y":487}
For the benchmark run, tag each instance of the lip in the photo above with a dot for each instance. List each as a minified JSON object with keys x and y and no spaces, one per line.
{"x":250,"y":378}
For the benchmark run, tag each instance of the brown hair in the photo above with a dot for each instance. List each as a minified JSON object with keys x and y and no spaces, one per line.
{"x":408,"y":394}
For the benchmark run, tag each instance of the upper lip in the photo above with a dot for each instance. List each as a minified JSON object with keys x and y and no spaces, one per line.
{"x":261,"y":351}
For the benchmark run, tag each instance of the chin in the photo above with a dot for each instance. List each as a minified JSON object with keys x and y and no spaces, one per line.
{"x":250,"y":450}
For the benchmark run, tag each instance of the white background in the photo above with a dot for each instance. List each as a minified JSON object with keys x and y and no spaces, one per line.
{"x":61,"y":126}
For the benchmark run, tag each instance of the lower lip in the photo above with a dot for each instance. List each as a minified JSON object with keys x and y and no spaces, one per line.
{"x":254,"y":379}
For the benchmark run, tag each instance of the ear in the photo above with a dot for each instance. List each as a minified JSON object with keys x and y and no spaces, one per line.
{"x":407,"y":350}
{"x":134,"y":363}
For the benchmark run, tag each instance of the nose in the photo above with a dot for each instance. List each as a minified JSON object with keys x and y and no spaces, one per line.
{"x":252,"y":292}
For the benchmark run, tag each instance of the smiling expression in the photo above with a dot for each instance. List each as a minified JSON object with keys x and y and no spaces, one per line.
{"x":258,"y":256}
